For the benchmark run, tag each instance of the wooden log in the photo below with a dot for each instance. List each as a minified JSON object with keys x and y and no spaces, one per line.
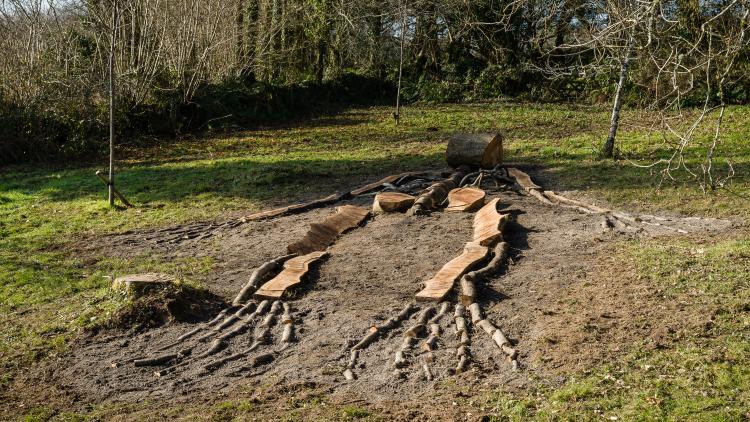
{"x":260,"y":275}
{"x":440,"y":313}
{"x":290,"y":276}
{"x":500,"y":256}
{"x":500,"y":339}
{"x":369,"y":338}
{"x":287,"y":336}
{"x":483,"y":150}
{"x":427,"y":371}
{"x":139,"y":284}
{"x":476,"y":313}
{"x":286,"y":317}
{"x":528,"y":185}
{"x":463,"y":351}
{"x":441,"y":284}
{"x":415,"y":330}
{"x":486,"y":326}
{"x":565,"y":200}
{"x":424,"y":315}
{"x":400,"y":359}
{"x":429,"y":344}
{"x":353,"y":356}
{"x":322,"y":235}
{"x":523,"y":179}
{"x":465,"y":199}
{"x":488,"y":224}
{"x":437,"y":193}
{"x":460,"y":325}
{"x":463,"y":362}
{"x":468,"y":290}
{"x":392,"y":202}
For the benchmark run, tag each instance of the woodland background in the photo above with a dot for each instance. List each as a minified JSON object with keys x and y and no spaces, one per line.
{"x":193,"y":66}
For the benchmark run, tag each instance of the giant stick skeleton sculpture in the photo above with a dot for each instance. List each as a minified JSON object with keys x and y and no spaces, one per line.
{"x":260,"y":305}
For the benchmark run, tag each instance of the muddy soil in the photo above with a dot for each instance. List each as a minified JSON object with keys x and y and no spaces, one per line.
{"x":558,"y":299}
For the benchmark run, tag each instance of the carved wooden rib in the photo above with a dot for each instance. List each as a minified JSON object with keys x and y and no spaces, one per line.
{"x":392,"y":202}
{"x":438,"y":286}
{"x":465,"y":199}
{"x":322,"y":235}
{"x":523,"y":179}
{"x":488,"y":224}
{"x":291,"y":275}
{"x":298,"y":208}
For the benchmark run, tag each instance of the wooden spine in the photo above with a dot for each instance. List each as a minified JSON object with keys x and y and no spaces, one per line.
{"x":468,"y":290}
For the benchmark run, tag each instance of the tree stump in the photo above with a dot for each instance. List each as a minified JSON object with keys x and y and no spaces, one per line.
{"x":392,"y":202}
{"x":465,"y":199}
{"x":138,"y":284}
{"x":483,"y":150}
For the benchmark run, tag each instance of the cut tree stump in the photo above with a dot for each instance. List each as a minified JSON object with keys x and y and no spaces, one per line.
{"x":290,"y":276}
{"x":322,"y":235}
{"x":483,"y":150}
{"x":465,"y":199}
{"x":138,"y":284}
{"x":488,"y":224}
{"x":438,"y":286}
{"x":392,"y":202}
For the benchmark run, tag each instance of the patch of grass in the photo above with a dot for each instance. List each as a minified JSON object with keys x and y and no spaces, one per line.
{"x":230,"y":410}
{"x":702,"y":377}
{"x":354,"y":412}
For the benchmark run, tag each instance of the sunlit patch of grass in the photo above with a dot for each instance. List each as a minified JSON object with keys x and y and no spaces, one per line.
{"x":703,"y":377}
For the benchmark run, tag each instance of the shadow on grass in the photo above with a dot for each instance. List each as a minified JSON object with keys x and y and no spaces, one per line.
{"x":261,"y":178}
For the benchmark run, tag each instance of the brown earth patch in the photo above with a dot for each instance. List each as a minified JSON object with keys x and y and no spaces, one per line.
{"x":566,"y":300}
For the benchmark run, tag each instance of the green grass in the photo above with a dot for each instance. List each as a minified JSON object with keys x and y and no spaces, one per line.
{"x":704,"y":377}
{"x":48,"y":293}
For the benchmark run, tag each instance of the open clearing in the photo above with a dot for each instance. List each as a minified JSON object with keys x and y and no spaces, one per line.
{"x":649,"y":324}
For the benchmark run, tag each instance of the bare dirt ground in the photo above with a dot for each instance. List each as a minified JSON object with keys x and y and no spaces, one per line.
{"x":559,"y":300}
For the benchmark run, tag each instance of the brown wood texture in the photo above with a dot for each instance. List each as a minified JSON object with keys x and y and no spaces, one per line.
{"x":433,"y":196}
{"x":392,"y":202}
{"x":523,"y":179}
{"x":438,"y":286}
{"x":475,"y":149}
{"x":322,"y":235}
{"x":488,"y":224}
{"x":291,"y":275}
{"x":465,"y":199}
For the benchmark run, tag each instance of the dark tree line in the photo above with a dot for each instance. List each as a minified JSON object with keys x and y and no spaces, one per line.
{"x":187,"y":64}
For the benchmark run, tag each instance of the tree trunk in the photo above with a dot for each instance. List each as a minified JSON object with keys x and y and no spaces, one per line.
{"x":608,"y":150}
{"x":475,"y":149}
{"x":112,"y":103}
